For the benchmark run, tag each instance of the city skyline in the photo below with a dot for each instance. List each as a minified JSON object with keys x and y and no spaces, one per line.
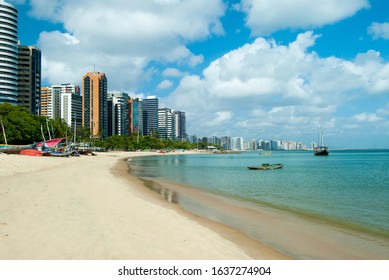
{"x":234,"y":69}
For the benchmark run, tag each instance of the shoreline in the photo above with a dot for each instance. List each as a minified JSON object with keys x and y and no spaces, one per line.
{"x":254,"y":248}
{"x":295,"y":235}
{"x":91,"y":208}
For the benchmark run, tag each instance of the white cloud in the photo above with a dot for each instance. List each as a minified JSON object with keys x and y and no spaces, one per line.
{"x":367,"y":117}
{"x":124,"y":35}
{"x":165,"y":84}
{"x":278,"y":87}
{"x":172,"y":72}
{"x":379,"y":30}
{"x":265,"y":17}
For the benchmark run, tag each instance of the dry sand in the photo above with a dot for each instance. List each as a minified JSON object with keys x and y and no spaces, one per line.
{"x":90,"y":208}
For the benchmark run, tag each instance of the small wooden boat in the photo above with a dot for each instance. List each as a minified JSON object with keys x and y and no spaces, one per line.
{"x":266,"y":166}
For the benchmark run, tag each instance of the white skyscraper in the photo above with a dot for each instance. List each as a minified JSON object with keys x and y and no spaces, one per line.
{"x":8,"y":53}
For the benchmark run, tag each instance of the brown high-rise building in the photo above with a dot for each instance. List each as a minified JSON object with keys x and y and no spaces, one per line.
{"x":94,"y":103}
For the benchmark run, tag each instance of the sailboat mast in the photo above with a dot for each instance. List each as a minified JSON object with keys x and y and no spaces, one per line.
{"x":48,"y":130}
{"x":2,"y":126}
{"x":75,"y":125}
{"x":43,"y":136}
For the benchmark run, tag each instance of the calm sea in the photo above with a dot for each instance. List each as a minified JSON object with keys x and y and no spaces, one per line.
{"x":349,"y":187}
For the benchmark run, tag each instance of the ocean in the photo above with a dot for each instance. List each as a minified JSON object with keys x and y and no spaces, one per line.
{"x":347,"y":190}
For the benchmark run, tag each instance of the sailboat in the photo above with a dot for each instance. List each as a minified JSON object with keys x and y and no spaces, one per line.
{"x":321,"y":150}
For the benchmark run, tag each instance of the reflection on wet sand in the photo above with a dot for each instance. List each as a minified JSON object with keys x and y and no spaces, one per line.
{"x":165,"y":193}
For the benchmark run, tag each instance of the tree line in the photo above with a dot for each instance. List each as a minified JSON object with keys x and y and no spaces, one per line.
{"x":22,"y":128}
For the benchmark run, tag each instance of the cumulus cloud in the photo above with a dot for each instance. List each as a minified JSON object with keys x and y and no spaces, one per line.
{"x":172,"y":72}
{"x":265,"y":17}
{"x":379,"y":30}
{"x":266,"y":84}
{"x":367,"y":117}
{"x":124,"y":35}
{"x":165,"y":84}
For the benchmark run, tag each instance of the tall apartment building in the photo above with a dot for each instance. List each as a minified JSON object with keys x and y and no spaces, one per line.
{"x":135,"y":116}
{"x":166,"y":124}
{"x":8,"y":53}
{"x":47,"y":101}
{"x":118,"y":113}
{"x":180,"y":125}
{"x":150,"y":115}
{"x":94,"y":103}
{"x":71,"y":105}
{"x":29,"y":78}
{"x":62,"y":101}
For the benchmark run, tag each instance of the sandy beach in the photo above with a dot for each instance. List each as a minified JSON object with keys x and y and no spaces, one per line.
{"x":89,"y":207}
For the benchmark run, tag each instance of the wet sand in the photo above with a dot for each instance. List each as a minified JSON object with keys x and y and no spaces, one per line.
{"x":90,"y":208}
{"x":294,"y":235}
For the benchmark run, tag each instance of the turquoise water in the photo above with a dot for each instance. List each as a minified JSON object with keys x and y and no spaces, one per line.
{"x":347,"y":187}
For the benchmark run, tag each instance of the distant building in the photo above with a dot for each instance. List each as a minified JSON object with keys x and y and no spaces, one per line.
{"x":166,"y":124}
{"x":135,"y":115}
{"x":46,"y":101}
{"x":29,"y":78}
{"x":226,"y":143}
{"x":71,"y":105}
{"x":118,"y":113}
{"x":237,"y":143}
{"x":180,"y":125}
{"x":253,"y":145}
{"x":8,"y":53}
{"x":150,"y":116}
{"x":193,"y":139}
{"x":94,"y":103}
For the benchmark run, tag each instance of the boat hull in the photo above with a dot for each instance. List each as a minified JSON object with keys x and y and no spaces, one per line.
{"x":266,"y":167}
{"x":321,"y":151}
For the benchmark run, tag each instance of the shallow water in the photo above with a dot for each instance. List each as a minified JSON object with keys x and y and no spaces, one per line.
{"x":347,"y":189}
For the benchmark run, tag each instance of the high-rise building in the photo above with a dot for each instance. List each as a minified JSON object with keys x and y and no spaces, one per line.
{"x":166,"y":129}
{"x":29,"y":78}
{"x":180,"y":125}
{"x":94,"y":103}
{"x":150,"y":115}
{"x":117,"y":113}
{"x":47,"y":101}
{"x":135,"y":116}
{"x":71,"y":105}
{"x":8,"y":53}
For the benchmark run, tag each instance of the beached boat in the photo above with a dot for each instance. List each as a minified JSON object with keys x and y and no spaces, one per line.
{"x":13,"y":149}
{"x":266,"y":166}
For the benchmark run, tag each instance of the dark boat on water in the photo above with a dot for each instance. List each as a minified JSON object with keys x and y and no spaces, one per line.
{"x":266,"y":166}
{"x":321,"y":149}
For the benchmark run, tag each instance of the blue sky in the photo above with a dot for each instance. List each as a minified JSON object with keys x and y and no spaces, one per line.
{"x":257,"y":69}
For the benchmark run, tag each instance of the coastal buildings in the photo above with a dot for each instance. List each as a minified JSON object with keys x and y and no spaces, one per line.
{"x":29,"y":78}
{"x":47,"y":101}
{"x":135,"y":115}
{"x":150,"y":115}
{"x":71,"y":105}
{"x":8,"y":53}
{"x":166,"y":124}
{"x":118,"y":113}
{"x":62,"y":102}
{"x":180,"y":125}
{"x":94,"y":103}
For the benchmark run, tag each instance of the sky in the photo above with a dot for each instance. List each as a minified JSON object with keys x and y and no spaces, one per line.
{"x":256,"y":69}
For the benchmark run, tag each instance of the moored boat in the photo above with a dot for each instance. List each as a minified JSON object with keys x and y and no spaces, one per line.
{"x":321,"y":149}
{"x":266,"y":166}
